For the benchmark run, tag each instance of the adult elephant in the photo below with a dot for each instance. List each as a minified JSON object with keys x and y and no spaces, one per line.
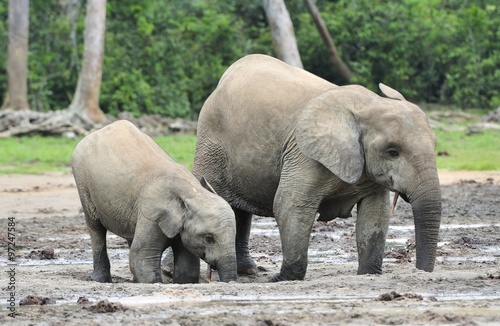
{"x":274,"y":140}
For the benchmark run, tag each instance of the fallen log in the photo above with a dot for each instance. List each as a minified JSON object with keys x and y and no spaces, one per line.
{"x":64,"y":123}
{"x":57,"y":123}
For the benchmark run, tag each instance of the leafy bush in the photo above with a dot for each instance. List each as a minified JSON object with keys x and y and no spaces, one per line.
{"x":172,"y":56}
{"x":166,"y":57}
{"x":432,"y":50}
{"x":3,"y":50}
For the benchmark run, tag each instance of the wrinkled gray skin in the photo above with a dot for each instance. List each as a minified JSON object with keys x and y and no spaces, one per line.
{"x":131,"y":187}
{"x":274,"y":140}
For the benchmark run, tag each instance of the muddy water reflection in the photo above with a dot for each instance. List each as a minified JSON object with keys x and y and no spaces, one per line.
{"x":231,"y":300}
{"x":399,"y":235}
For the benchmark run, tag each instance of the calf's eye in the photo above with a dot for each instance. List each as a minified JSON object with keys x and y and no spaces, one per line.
{"x":209,"y":238}
{"x":393,"y":153}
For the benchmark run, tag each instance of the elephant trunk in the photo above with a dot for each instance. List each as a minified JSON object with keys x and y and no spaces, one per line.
{"x":226,"y":267}
{"x":426,"y":205}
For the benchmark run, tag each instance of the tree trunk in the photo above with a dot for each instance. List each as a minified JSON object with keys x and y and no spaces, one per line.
{"x":344,"y":71}
{"x":282,"y":32}
{"x":17,"y":62}
{"x":85,"y":103}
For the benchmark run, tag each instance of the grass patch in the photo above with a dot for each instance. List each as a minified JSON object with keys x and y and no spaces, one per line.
{"x":180,"y":148}
{"x":37,"y":154}
{"x":480,"y":152}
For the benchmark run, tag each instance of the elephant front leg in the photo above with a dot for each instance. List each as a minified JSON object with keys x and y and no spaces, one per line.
{"x":295,"y":222}
{"x":372,"y":224}
{"x":145,"y":252}
{"x":245,"y":263}
{"x":186,"y":265}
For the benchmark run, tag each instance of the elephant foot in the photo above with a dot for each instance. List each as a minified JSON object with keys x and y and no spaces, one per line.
{"x":294,"y":272}
{"x":280,"y":278}
{"x":247,"y":267}
{"x":101,"y":277}
{"x":276,"y":278}
{"x":185,"y":279}
{"x":364,"y":271}
{"x":372,"y":266}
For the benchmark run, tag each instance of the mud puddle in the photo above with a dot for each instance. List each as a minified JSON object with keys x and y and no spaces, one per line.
{"x":399,"y":238}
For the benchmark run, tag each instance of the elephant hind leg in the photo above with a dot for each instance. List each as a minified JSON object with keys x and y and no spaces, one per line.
{"x":97,"y":232}
{"x":245,"y":263}
{"x":102,"y":266}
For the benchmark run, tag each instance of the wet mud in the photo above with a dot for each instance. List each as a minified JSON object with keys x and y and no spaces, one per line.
{"x":54,"y":263}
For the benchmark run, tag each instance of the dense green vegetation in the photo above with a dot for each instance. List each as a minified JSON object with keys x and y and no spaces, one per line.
{"x":167,"y":56}
{"x":47,"y":154}
{"x":430,"y":50}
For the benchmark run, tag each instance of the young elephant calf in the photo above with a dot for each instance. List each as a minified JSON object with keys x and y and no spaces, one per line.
{"x":131,"y":187}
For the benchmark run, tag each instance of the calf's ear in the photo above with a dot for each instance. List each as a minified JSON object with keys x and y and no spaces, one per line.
{"x":172,"y":221}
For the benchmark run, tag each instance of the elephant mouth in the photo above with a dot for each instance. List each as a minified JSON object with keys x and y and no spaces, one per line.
{"x":395,"y":200}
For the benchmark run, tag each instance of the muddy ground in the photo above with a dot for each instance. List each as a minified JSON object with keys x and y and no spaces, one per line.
{"x":54,"y":263}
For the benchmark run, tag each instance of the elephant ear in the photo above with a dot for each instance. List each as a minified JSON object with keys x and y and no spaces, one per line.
{"x":206,"y":185}
{"x":171,"y":222}
{"x":331,"y":136}
{"x":391,"y":92}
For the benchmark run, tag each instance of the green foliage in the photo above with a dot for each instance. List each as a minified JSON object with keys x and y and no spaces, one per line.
{"x":4,"y":36}
{"x":39,"y":154}
{"x":474,"y":78}
{"x":166,"y":57}
{"x":432,"y":50}
{"x":53,"y":59}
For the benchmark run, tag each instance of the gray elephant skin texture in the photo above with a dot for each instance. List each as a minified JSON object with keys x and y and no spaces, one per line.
{"x":275,"y":140}
{"x":128,"y":185}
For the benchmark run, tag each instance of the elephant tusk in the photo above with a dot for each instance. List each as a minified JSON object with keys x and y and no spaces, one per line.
{"x":394,"y":202}
{"x":209,"y":273}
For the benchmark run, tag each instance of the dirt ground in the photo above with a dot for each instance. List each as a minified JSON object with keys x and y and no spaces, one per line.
{"x":54,"y":263}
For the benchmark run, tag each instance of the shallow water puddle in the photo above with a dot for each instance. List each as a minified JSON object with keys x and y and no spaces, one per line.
{"x":279,"y":298}
{"x":73,"y":257}
{"x":336,"y":255}
{"x":478,"y":259}
{"x":444,"y":226}
{"x":196,"y":299}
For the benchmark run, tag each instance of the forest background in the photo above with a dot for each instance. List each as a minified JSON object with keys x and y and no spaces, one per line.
{"x":166,"y":57}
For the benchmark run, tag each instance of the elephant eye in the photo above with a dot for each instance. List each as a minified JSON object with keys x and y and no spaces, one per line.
{"x":393,"y":153}
{"x":209,"y":239}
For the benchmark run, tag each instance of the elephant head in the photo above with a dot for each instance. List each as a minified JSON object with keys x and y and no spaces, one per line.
{"x":389,"y":140}
{"x":207,"y":228}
